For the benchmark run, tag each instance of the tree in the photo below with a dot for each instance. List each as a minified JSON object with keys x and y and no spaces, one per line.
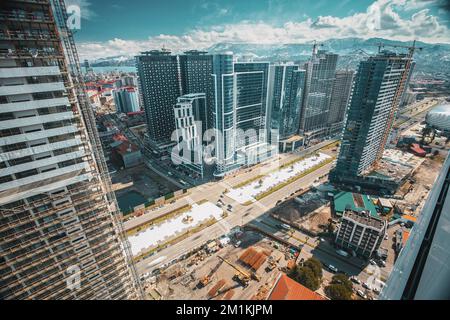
{"x":338,"y":292}
{"x":330,"y":227}
{"x":306,"y":277}
{"x":340,"y":288}
{"x":315,"y":266}
{"x":342,"y":279}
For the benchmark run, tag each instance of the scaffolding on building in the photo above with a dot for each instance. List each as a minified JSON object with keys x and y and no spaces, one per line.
{"x":93,"y":139}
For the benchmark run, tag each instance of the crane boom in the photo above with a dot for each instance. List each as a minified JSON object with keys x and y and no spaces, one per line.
{"x":240,"y":270}
{"x":411,"y":49}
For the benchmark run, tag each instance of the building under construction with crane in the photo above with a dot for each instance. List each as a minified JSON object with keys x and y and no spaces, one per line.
{"x":60,"y":232}
{"x":378,"y":87}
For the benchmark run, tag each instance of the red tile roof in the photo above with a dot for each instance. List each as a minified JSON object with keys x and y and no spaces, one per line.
{"x":126,"y":147}
{"x":120,"y":137}
{"x":288,"y":289}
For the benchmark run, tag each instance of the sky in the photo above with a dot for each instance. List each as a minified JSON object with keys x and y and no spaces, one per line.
{"x":117,"y":27}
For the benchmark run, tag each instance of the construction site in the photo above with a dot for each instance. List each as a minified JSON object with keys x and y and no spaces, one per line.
{"x":309,"y":211}
{"x":242,"y":265}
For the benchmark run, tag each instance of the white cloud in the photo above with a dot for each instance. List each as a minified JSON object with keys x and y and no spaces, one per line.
{"x":392,"y":19}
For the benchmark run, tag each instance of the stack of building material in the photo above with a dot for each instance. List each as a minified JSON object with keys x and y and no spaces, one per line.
{"x":253,"y":258}
{"x":216,"y":288}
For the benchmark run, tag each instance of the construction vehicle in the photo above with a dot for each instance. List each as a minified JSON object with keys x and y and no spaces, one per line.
{"x":242,"y":276}
{"x":203,"y":282}
{"x":242,"y":279}
{"x":272,"y":265}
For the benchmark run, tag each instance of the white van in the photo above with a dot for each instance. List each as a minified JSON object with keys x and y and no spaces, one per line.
{"x":285,"y":226}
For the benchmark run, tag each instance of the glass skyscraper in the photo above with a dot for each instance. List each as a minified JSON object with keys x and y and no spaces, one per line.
{"x":163,"y":78}
{"x":126,"y":100}
{"x":239,"y":112}
{"x":286,"y":91}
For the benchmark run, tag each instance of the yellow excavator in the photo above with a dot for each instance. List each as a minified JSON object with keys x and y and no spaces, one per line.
{"x":207,"y":279}
{"x":242,"y":275}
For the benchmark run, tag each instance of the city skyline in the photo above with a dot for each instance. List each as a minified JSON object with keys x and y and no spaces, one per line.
{"x":226,"y":164}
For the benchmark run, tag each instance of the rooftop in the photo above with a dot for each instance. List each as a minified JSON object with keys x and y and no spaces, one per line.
{"x":354,"y":201}
{"x":441,"y":109}
{"x":287,"y":289}
{"x":365,"y":219}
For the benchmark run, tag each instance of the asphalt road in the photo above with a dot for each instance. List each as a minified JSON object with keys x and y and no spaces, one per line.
{"x":241,"y":214}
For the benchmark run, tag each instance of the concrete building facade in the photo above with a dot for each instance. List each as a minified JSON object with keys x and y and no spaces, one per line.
{"x":360,"y":232}
{"x":320,"y":74}
{"x":340,"y":97}
{"x":379,"y":83}
{"x":60,"y":231}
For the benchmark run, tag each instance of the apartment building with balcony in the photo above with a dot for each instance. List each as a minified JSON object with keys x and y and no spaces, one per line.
{"x":60,"y":236}
{"x":360,"y":232}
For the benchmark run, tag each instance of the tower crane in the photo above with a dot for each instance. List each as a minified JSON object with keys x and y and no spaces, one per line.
{"x":411,"y":49}
{"x":314,"y":48}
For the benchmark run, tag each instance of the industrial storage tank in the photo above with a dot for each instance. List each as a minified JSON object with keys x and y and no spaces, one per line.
{"x":439,"y":117}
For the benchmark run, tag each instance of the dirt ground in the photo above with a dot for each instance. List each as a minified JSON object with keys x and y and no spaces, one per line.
{"x":424,"y":178}
{"x":142,"y":180}
{"x":181,"y":281}
{"x":311,"y":214}
{"x":318,"y":219}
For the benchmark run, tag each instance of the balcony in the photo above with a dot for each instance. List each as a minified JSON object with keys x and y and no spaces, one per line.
{"x":29,"y":72}
{"x":41,"y":177}
{"x":25,"y":16}
{"x":18,"y":53}
{"x":41,"y":163}
{"x":5,"y":156}
{"x":30,"y":121}
{"x":31,"y":136}
{"x":27,"y":36}
{"x":32,"y":88}
{"x":35,"y":104}
{"x":45,"y":188}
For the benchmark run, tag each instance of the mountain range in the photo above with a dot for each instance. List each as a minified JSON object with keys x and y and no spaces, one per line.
{"x":431,"y":59}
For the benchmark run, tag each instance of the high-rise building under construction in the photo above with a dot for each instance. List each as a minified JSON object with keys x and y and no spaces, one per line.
{"x":60,"y":236}
{"x":379,"y":84}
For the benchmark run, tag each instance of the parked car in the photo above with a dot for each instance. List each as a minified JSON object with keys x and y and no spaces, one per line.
{"x":372,"y":262}
{"x":366,"y":286}
{"x":332,"y":268}
{"x":361,"y":294}
{"x":381,"y":263}
{"x":237,"y":244}
{"x":355,"y":280}
{"x":285,"y":226}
